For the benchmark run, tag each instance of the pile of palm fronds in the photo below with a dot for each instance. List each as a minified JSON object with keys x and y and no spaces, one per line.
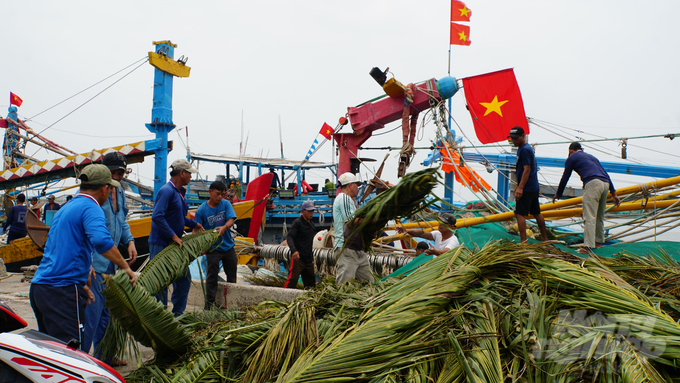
{"x":136,"y":312}
{"x":506,"y":312}
{"x":402,"y":200}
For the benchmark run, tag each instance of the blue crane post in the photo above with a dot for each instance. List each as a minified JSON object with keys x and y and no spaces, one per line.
{"x":161,"y":113}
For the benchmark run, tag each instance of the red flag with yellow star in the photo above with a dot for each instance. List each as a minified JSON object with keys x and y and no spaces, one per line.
{"x":495,"y":104}
{"x":15,"y":100}
{"x":460,"y":34}
{"x":459,"y":12}
{"x":326,"y":131}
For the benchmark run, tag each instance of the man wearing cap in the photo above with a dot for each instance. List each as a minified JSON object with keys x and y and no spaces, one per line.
{"x":217,"y":213}
{"x":167,"y":225}
{"x":596,"y":186}
{"x":59,"y":291}
{"x":300,"y":240}
{"x":351,"y":263}
{"x":51,"y":205}
{"x":444,"y":238}
{"x":16,"y":219}
{"x":115,"y":212}
{"x":527,"y":191}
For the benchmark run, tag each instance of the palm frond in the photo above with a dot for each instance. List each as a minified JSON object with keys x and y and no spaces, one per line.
{"x":172,"y":263}
{"x":144,"y":317}
{"x":402,"y":200}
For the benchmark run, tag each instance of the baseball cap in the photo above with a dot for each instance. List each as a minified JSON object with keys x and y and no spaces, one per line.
{"x":183,"y":164}
{"x":308,"y":205}
{"x":448,"y":218}
{"x":516,"y":132}
{"x":115,"y":161}
{"x":97,"y":174}
{"x":51,"y":197}
{"x":348,"y":178}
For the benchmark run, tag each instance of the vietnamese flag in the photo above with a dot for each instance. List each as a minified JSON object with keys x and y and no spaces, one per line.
{"x":459,"y":12}
{"x":326,"y":131}
{"x":460,"y":34}
{"x":15,"y":100}
{"x":495,"y":105}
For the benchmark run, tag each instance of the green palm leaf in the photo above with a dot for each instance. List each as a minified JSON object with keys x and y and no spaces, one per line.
{"x":144,"y":317}
{"x":172,"y":263}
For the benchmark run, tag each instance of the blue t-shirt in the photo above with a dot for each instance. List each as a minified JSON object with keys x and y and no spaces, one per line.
{"x":211,"y":218}
{"x":588,"y":168}
{"x":16,"y":220}
{"x":77,"y":230}
{"x":169,"y":215}
{"x":525,"y":156}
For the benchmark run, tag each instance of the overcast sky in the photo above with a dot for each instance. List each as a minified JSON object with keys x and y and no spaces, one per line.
{"x":597,"y":68}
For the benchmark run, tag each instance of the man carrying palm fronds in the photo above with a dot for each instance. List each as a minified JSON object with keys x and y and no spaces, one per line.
{"x":352,"y":261}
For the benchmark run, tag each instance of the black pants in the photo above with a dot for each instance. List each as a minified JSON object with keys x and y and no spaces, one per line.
{"x":59,"y":311}
{"x":299,"y":267}
{"x":229,"y":264}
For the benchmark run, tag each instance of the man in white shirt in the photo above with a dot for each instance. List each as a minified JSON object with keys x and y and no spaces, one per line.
{"x":352,"y":262}
{"x":444,"y":238}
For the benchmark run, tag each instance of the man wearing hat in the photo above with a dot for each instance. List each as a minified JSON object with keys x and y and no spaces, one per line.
{"x":300,"y":240}
{"x":115,"y":212}
{"x":596,"y":186}
{"x":217,"y":213}
{"x":527,"y":191}
{"x":351,"y":263}
{"x":167,"y":225}
{"x":444,"y":238}
{"x":59,"y":291}
{"x":51,"y":205}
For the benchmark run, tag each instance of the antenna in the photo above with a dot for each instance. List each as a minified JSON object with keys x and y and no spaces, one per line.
{"x":280,"y":136}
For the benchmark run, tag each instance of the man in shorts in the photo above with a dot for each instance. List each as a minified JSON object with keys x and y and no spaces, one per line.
{"x":526,"y":193}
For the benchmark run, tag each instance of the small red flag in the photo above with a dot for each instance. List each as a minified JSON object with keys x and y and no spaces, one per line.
{"x":326,"y":131}
{"x":495,"y":104}
{"x":3,"y":123}
{"x":460,"y":34}
{"x":15,"y":100}
{"x":459,"y":12}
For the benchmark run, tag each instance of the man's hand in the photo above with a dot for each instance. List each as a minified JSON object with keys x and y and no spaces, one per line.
{"x":199,"y":228}
{"x":177,"y":240}
{"x":90,"y":295}
{"x":132,"y":275}
{"x":132,"y":252}
{"x":617,"y":200}
{"x":518,"y":193}
{"x":296,"y":255}
{"x":554,"y":198}
{"x":221,"y":230}
{"x":400,"y":229}
{"x":431,"y":251}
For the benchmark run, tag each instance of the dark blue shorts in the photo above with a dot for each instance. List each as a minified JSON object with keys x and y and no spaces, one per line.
{"x":528,"y":204}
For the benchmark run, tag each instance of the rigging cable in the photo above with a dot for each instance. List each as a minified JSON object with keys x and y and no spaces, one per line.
{"x":89,"y":87}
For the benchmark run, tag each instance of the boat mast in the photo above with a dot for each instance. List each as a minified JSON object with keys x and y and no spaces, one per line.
{"x":161,"y":113}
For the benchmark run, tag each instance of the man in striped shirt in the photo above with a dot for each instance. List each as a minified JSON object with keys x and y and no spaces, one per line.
{"x":351,"y":263}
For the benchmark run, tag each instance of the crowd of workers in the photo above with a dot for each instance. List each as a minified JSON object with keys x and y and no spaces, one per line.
{"x":82,"y":247}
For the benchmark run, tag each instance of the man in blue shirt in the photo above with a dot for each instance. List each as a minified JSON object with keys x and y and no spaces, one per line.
{"x":50,"y":206}
{"x":167,"y":225}
{"x":115,"y":213}
{"x":596,"y":187}
{"x":16,"y":219}
{"x":59,"y":291}
{"x":217,"y":213}
{"x":527,"y":191}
